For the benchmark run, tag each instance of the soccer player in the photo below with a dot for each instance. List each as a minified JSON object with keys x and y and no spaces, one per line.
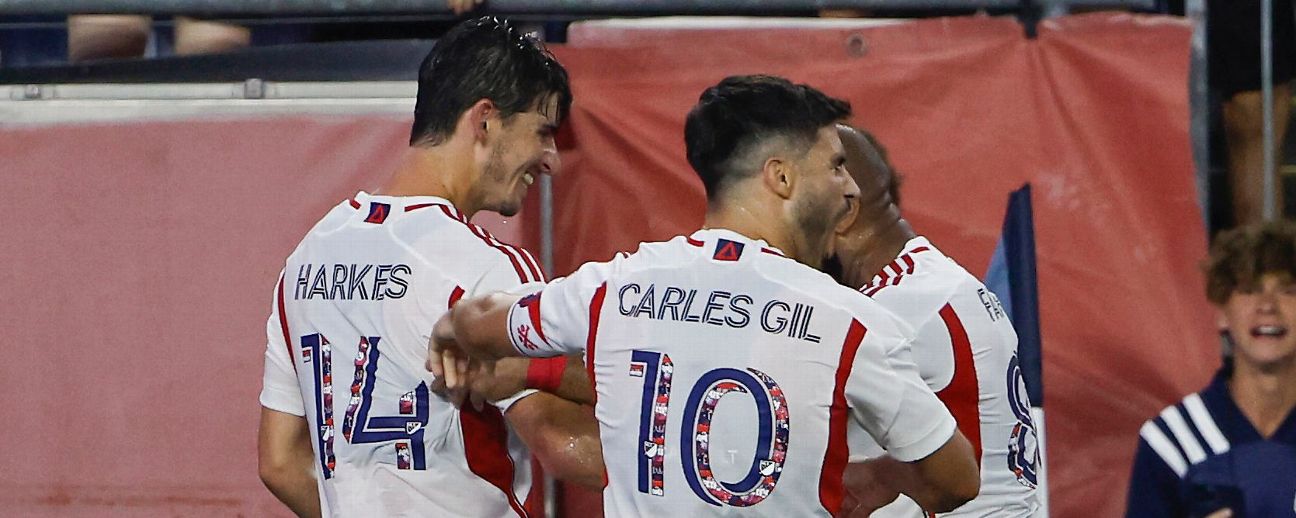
{"x":1230,"y":449}
{"x":727,"y":372}
{"x":351,"y":423}
{"x":964,"y":346}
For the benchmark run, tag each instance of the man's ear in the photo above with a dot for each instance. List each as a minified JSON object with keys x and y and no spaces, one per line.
{"x":483,"y":117}
{"x":779,"y":176}
{"x":1221,"y":321}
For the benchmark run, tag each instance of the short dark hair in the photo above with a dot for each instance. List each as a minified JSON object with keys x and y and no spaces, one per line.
{"x":1241,"y":256}
{"x":484,"y":58}
{"x":741,"y":112}
{"x":884,"y":160}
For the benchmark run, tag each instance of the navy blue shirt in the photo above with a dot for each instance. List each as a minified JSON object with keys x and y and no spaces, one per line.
{"x":1202,"y":455}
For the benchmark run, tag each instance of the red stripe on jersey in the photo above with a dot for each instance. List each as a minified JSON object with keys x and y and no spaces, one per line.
{"x":596,"y":307}
{"x":535,"y":502}
{"x":493,"y":243}
{"x":909,"y":263}
{"x":834,"y":463}
{"x":772,"y":251}
{"x":455,"y":295}
{"x":533,"y":311}
{"x":532,"y":263}
{"x":354,"y":204}
{"x":419,"y":206}
{"x":486,"y":238}
{"x":283,"y":324}
{"x":486,"y":449}
{"x":694,"y":242}
{"x":963,"y":392}
{"x":451,"y":213}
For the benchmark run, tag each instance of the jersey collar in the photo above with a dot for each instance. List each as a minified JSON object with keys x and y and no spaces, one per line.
{"x":406,"y":203}
{"x":1230,"y":418}
{"x":711,"y":235}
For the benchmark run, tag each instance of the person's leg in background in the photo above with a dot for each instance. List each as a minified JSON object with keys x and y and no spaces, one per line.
{"x":1244,"y":131}
{"x":194,"y":36}
{"x":1233,"y":50}
{"x":93,"y":37}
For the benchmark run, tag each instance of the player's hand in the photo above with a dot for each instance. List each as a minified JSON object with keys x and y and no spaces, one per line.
{"x":494,"y":381}
{"x":462,"y":6}
{"x":866,"y":490}
{"x":446,"y":359}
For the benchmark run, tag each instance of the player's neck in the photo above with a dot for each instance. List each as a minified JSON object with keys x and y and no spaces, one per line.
{"x":433,"y":171}
{"x":754,"y":223}
{"x":875,"y":246}
{"x":1265,"y":396}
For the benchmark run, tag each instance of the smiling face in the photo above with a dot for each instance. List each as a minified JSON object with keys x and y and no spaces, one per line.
{"x":1261,"y":319}
{"x":522,"y":149}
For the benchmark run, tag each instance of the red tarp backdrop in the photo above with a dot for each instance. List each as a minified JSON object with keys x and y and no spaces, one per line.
{"x":139,"y":258}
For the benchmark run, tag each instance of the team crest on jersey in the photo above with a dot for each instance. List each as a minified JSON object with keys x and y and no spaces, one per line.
{"x":378,"y":212}
{"x":727,"y":250}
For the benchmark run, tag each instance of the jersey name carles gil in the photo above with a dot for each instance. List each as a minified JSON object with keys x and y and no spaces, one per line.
{"x":728,"y":375}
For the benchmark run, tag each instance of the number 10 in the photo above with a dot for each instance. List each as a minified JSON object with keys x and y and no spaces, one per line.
{"x":772,"y":427}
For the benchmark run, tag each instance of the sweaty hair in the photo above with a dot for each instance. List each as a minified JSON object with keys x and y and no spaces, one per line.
{"x":1241,"y":256}
{"x":743,"y":112}
{"x":485,"y":58}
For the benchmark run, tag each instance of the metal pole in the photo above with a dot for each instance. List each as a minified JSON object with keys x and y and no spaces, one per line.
{"x":1199,"y":103}
{"x":1267,"y":92}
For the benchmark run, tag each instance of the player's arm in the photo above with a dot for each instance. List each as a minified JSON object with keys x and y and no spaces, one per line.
{"x":285,"y":459}
{"x":286,"y":462}
{"x":474,"y":329}
{"x":929,"y":459}
{"x":939,"y":482}
{"x":563,"y":435}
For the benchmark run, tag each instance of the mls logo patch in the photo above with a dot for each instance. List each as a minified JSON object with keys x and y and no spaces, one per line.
{"x":378,"y":212}
{"x":727,"y":250}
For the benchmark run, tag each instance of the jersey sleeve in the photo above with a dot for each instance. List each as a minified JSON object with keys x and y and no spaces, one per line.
{"x":556,"y":319}
{"x":1154,"y":486}
{"x":891,"y":401}
{"x":279,"y":388}
{"x":504,"y":276}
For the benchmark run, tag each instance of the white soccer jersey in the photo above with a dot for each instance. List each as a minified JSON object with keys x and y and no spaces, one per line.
{"x":966,"y":351}
{"x":348,"y":337}
{"x":728,"y":375}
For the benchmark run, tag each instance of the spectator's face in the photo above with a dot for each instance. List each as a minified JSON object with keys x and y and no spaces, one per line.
{"x":1262,"y":322}
{"x":523,"y":150}
{"x":825,"y":194}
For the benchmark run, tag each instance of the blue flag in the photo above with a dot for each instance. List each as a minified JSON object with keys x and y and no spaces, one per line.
{"x":1011,"y":277}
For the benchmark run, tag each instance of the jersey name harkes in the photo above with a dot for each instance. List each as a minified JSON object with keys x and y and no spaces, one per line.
{"x":718,"y":308}
{"x":352,"y":281}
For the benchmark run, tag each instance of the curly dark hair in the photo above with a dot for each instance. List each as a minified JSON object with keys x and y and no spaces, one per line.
{"x":1241,"y":256}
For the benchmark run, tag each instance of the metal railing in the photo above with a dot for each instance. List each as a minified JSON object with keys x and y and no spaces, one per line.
{"x":612,"y":7}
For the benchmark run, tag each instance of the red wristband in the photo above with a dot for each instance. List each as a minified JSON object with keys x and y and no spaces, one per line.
{"x":545,"y":373}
